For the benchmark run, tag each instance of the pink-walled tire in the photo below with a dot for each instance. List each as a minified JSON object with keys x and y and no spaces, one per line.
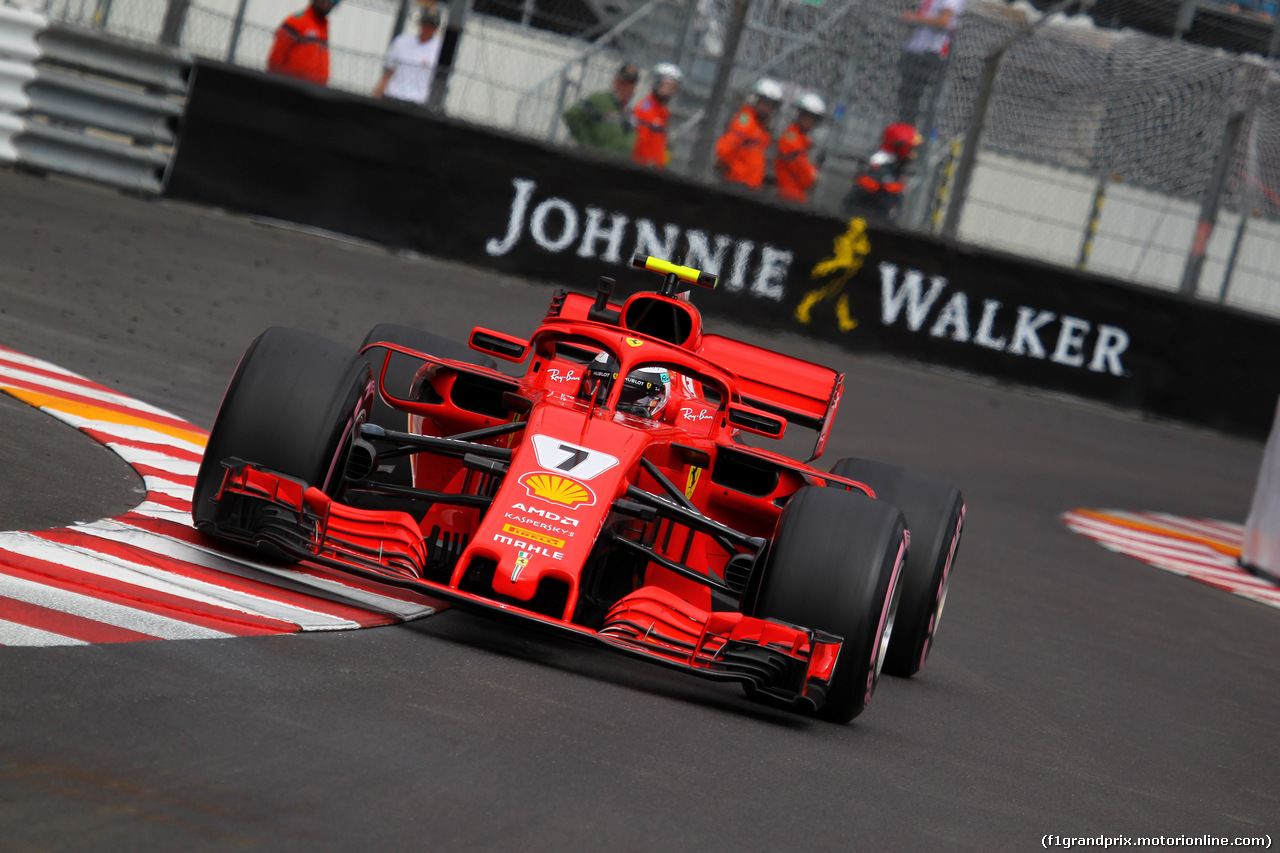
{"x":293,"y":405}
{"x":935,"y":516}
{"x":833,"y":567}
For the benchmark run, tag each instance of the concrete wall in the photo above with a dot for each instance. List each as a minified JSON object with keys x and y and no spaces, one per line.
{"x":1042,"y":211}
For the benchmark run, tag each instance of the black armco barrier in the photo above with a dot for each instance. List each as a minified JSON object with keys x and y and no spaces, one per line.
{"x":392,"y":174}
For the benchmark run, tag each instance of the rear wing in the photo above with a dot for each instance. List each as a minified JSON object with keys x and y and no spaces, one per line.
{"x":804,"y":393}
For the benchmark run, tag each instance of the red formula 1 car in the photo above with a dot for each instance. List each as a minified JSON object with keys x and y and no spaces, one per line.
{"x":609,"y":492}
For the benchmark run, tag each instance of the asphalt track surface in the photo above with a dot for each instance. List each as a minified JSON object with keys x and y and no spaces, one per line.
{"x":1073,"y":691}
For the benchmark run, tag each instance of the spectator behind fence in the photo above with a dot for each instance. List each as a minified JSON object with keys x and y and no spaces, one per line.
{"x":601,"y":120}
{"x":301,"y":48}
{"x":740,"y":152}
{"x":411,"y":61}
{"x":652,"y":114}
{"x":925,"y":56}
{"x":878,"y":190}
{"x":1259,"y":8}
{"x":792,"y":168}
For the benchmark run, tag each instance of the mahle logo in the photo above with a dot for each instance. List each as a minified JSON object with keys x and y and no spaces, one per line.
{"x":557,"y":489}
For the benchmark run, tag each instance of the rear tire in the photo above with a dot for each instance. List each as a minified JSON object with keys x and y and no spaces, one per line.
{"x":832,"y":567}
{"x":935,"y":516}
{"x":293,"y":406}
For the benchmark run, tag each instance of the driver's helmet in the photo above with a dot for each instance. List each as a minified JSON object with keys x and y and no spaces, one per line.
{"x":644,"y":392}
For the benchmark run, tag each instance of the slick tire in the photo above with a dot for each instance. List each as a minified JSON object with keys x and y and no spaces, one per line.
{"x":400,"y":373}
{"x":293,"y":406}
{"x":935,"y":516}
{"x":832,"y":567}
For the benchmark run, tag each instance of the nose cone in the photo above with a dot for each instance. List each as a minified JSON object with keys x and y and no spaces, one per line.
{"x":554,"y":500}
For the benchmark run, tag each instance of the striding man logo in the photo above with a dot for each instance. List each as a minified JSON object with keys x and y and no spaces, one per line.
{"x":849,"y":251}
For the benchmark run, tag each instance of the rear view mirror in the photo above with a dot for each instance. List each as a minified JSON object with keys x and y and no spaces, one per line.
{"x":507,"y":347}
{"x":757,"y":421}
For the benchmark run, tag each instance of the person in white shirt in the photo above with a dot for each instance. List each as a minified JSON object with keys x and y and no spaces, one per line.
{"x":411,"y":61}
{"x":924,"y":56}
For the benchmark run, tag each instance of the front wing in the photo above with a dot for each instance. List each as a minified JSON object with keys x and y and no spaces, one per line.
{"x":789,"y":662}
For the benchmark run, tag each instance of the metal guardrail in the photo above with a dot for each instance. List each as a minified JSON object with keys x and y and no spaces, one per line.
{"x":80,"y":103}
{"x":151,"y":66}
{"x":14,"y":77}
{"x":18,"y":30}
{"x":145,"y":118}
{"x":18,"y":52}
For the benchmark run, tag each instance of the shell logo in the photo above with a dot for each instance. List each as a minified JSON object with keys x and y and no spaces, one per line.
{"x":557,"y":489}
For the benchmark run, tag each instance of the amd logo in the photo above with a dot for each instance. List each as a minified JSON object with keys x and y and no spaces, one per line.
{"x":1077,"y":341}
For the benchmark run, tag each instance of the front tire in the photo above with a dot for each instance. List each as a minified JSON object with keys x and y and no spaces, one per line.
{"x":833,"y":567}
{"x":935,"y":516}
{"x":293,"y":406}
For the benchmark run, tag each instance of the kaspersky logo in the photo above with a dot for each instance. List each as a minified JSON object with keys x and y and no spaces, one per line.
{"x":557,"y":489}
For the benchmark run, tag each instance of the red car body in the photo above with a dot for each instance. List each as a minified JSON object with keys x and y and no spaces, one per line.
{"x":644,"y":535}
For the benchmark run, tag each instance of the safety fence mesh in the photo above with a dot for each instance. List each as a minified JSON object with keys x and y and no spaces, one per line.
{"x":1123,"y":131}
{"x":496,"y":61}
{"x":1098,"y":149}
{"x":1147,"y":110}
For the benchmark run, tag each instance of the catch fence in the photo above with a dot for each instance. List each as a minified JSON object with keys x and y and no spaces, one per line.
{"x":1103,"y":149}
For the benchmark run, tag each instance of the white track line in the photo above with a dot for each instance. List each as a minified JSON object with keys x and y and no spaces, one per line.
{"x":172,"y":464}
{"x":1154,"y":542}
{"x":167,"y":450}
{"x":15,"y":359}
{"x":1173,"y":552}
{"x":175,"y":549}
{"x":107,"y":612}
{"x":126,"y":431}
{"x":157,"y":580}
{"x":13,"y":634}
{"x":46,"y":385}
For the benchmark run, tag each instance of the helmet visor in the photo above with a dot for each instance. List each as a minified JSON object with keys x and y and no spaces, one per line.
{"x":644,"y":393}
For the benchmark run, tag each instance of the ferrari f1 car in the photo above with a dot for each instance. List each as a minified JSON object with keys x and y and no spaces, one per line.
{"x":612,"y":492}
